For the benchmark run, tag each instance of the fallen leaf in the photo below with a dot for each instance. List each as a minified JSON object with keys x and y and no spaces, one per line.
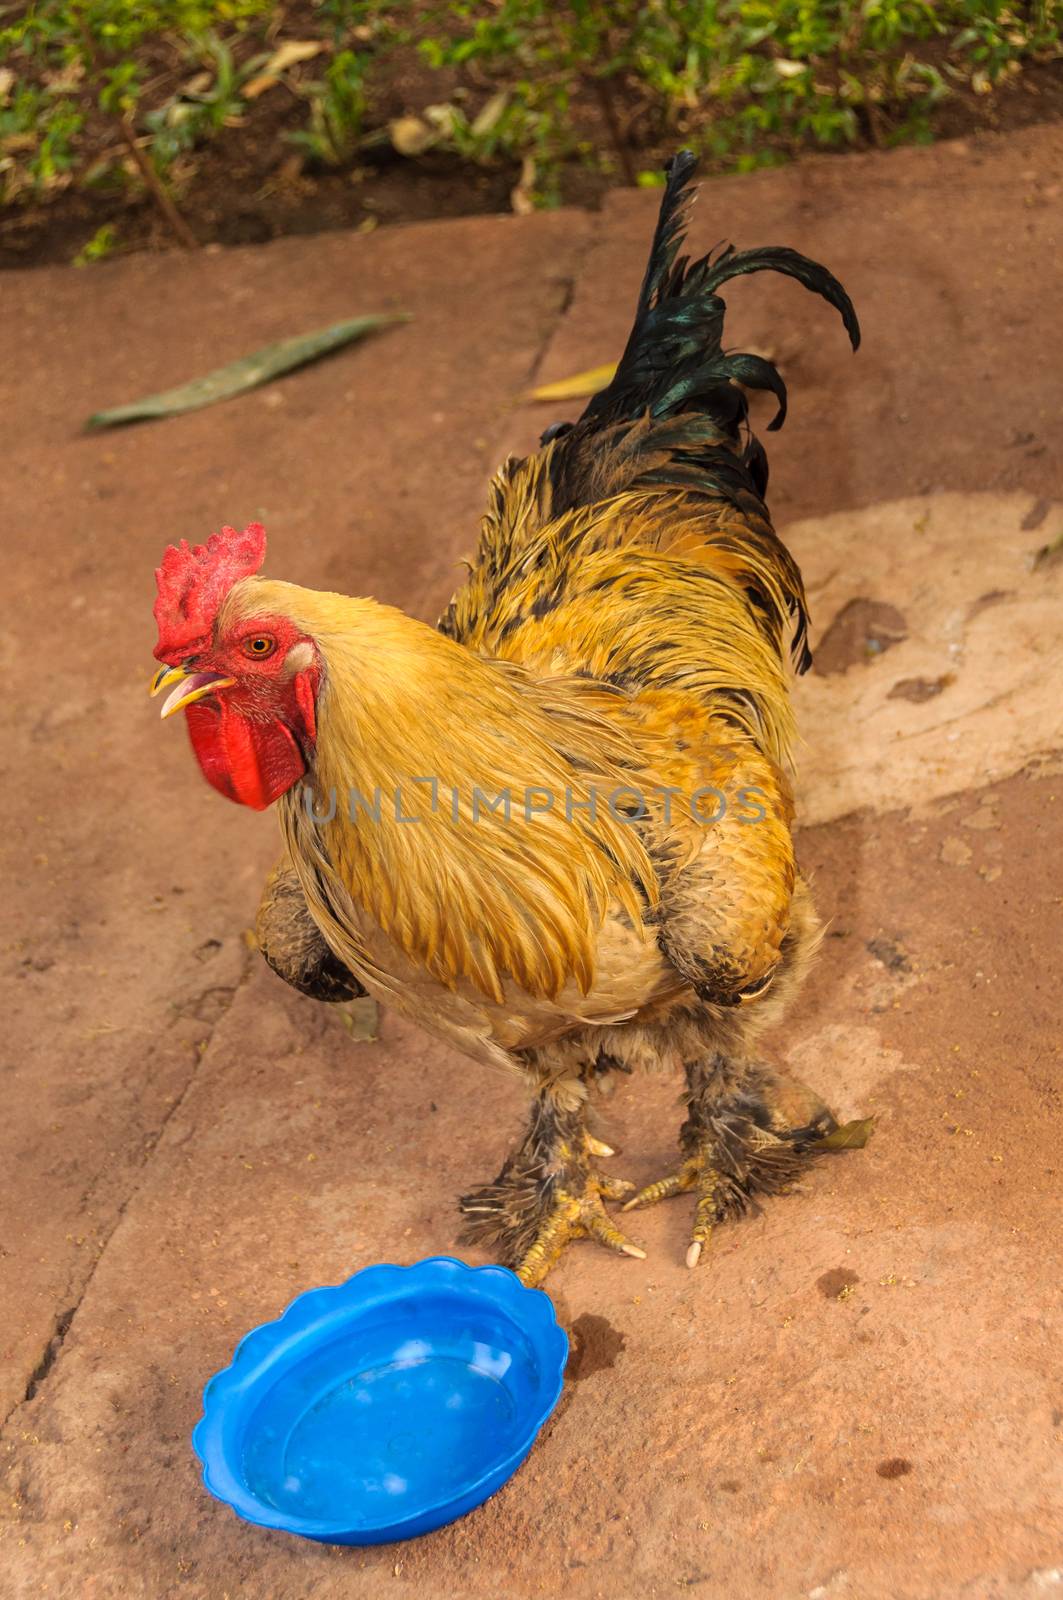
{"x":66,"y":79}
{"x":198,"y":84}
{"x":361,"y":1018}
{"x":490,"y":113}
{"x":256,"y":86}
{"x":410,"y":136}
{"x":850,"y":1136}
{"x":246,"y":373}
{"x":522,"y":195}
{"x":577,"y":388}
{"x":290,"y":52}
{"x":443,"y":117}
{"x":285,"y":56}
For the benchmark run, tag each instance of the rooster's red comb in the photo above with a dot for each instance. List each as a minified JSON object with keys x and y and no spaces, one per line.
{"x":192,"y":584}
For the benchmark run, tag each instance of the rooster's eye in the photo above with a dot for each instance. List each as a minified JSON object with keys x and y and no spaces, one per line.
{"x":260,"y":645}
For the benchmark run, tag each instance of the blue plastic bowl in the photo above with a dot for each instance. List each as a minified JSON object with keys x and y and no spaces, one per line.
{"x":384,"y":1407}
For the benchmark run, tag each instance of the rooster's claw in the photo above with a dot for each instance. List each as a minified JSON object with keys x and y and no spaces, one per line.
{"x":576,"y":1216}
{"x":693,"y":1174}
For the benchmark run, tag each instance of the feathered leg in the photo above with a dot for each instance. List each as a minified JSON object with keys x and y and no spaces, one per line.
{"x":548,"y":1193}
{"x":749,"y":1130}
{"x":735,"y":1143}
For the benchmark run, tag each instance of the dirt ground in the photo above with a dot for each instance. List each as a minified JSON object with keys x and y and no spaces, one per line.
{"x":860,"y":1393}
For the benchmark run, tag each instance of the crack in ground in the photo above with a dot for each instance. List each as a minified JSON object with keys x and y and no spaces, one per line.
{"x":569,"y":283}
{"x":51,"y":1352}
{"x":63,"y":1323}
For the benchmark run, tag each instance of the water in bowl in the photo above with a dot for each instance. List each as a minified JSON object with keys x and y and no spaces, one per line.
{"x":384,"y":1438}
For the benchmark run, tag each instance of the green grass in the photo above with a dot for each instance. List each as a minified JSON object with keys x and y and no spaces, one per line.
{"x":127,"y":92}
{"x":746,"y":83}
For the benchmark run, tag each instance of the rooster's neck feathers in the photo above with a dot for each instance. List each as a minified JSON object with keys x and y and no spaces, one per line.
{"x":407,"y":719}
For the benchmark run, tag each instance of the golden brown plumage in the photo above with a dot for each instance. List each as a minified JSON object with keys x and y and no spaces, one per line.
{"x":556,"y":830}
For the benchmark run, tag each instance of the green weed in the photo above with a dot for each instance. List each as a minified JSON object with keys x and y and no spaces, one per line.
{"x":125,"y":92}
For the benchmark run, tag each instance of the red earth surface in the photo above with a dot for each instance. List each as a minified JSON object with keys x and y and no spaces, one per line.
{"x":859,"y":1393}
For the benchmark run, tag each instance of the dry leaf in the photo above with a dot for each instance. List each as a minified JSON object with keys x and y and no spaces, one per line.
{"x":286,"y":55}
{"x":292,"y":51}
{"x":489,"y":115}
{"x":256,"y":86}
{"x":410,"y":136}
{"x":577,"y":388}
{"x":443,"y":117}
{"x":522,"y":197}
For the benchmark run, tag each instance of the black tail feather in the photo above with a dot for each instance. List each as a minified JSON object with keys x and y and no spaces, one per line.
{"x":670,"y":230}
{"x":732,"y":263}
{"x":674,"y":359}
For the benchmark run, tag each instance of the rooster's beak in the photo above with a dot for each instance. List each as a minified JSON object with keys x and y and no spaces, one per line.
{"x":191,"y":686}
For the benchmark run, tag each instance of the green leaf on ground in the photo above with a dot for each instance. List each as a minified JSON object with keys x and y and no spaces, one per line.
{"x":248,"y":373}
{"x":361,"y":1018}
{"x":850,"y":1136}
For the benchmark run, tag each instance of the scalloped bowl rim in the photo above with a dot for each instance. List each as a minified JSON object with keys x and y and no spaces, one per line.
{"x":224,"y":1483}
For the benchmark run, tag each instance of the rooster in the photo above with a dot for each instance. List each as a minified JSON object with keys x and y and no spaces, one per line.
{"x":555,"y":830}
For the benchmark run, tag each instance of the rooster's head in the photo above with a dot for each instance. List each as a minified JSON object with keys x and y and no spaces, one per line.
{"x":246,"y":679}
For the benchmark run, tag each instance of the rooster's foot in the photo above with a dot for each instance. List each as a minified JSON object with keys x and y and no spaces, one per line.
{"x":576,"y":1213}
{"x":534,"y":1211}
{"x":731,"y":1158}
{"x":695,"y":1175}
